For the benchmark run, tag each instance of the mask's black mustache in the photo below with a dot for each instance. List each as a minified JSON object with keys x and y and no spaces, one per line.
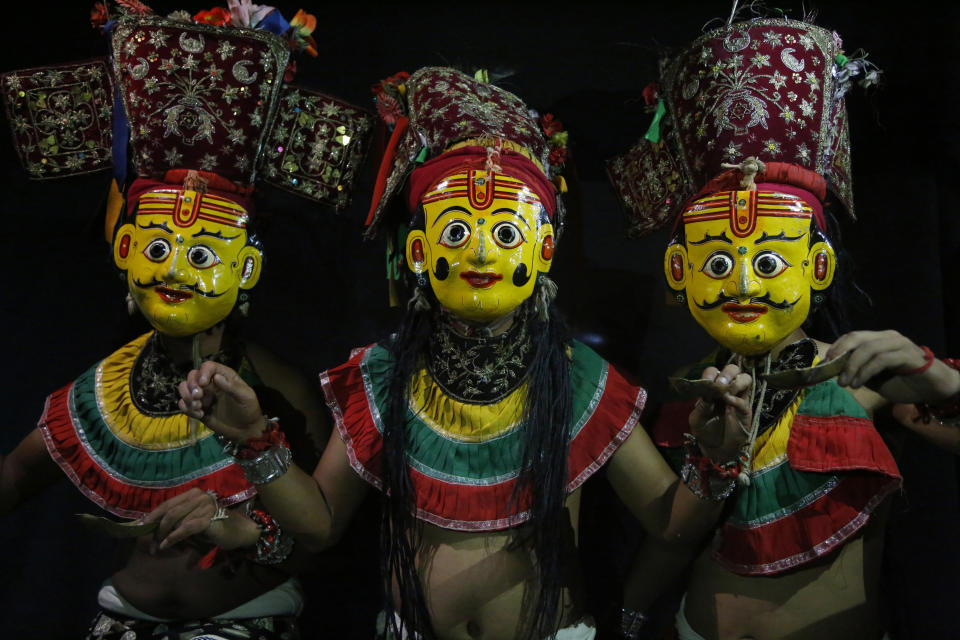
{"x":783,"y":306}
{"x":189,"y":287}
{"x":723,"y":299}
{"x":764,"y":299}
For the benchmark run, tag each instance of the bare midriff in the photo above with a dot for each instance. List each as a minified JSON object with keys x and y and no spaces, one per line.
{"x":476,"y":583}
{"x":833,"y":597}
{"x":169,"y":584}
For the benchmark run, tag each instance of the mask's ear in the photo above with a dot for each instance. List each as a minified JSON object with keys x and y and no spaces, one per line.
{"x":543,"y":250}
{"x":675,"y":266}
{"x":417,"y":252}
{"x":820,"y":265}
{"x":123,"y":246}
{"x":250,"y":260}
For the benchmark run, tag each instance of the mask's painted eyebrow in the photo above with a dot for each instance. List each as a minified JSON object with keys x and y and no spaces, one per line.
{"x":783,"y":237}
{"x":513,"y":213}
{"x":453,"y":209}
{"x":154,"y":225}
{"x":709,"y":238}
{"x":218,"y":234}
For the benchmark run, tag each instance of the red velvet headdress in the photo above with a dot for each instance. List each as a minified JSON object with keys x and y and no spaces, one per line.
{"x":771,"y":89}
{"x":443,"y":107}
{"x":199,"y":99}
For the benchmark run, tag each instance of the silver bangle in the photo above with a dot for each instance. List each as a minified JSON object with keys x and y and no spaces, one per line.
{"x":221,"y":513}
{"x":268,"y":466}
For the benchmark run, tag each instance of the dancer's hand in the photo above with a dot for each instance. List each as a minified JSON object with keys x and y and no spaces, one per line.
{"x":219,"y":397}
{"x":884,"y":356}
{"x":192,"y":514}
{"x":721,"y":418}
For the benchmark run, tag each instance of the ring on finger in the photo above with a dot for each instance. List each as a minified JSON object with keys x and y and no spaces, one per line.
{"x":221,"y":512}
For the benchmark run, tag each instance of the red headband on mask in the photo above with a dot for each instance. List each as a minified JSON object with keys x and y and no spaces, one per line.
{"x":510,"y":163}
{"x":214,"y":184}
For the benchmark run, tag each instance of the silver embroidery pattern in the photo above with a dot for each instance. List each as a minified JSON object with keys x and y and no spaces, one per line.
{"x":766,"y":88}
{"x":774,"y":97}
{"x":316,"y":146}
{"x":197,"y":94}
{"x":60,"y":118}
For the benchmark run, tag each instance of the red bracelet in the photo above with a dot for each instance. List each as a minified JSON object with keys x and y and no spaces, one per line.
{"x":944,"y":413}
{"x":927,"y":363}
{"x":271,"y":436}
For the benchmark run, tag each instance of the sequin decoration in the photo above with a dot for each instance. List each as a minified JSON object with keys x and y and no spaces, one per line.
{"x":647,"y":179}
{"x":60,"y":117}
{"x":765,"y":88}
{"x":316,"y":146}
{"x":447,"y":106}
{"x":197,"y":96}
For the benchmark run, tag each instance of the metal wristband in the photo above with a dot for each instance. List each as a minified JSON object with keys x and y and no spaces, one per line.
{"x":275,"y":549}
{"x":268,"y":466}
{"x":717,"y":489}
{"x":632,"y":623}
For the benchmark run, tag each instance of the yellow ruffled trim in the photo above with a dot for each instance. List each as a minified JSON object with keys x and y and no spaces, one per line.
{"x":770,"y":448}
{"x":124,"y":419}
{"x":459,"y":420}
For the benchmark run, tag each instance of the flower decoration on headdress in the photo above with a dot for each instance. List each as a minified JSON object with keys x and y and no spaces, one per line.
{"x":98,"y":15}
{"x":299,"y":37}
{"x":388,"y":95}
{"x":218,"y":17}
{"x":557,"y":140}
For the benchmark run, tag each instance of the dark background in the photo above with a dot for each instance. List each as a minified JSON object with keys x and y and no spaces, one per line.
{"x":323,"y":289}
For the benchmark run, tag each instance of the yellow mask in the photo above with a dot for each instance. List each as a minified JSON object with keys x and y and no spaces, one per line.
{"x":748,"y":267}
{"x":187,"y":258}
{"x":483,"y":244}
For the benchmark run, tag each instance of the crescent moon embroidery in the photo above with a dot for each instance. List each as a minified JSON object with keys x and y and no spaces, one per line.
{"x":736,"y":40}
{"x":791,"y":61}
{"x":191,"y":45}
{"x":139,"y":71}
{"x":241,"y":74}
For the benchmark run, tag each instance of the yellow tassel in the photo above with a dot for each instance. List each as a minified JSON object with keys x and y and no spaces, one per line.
{"x":114,"y":209}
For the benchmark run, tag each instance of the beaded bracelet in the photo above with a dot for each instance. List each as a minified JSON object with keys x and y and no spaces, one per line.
{"x":706,"y":479}
{"x":263,"y":458}
{"x":272,"y":546}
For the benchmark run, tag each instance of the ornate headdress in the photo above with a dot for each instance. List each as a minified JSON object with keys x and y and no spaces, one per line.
{"x":451,"y":120}
{"x":762,"y":99}
{"x":205,"y":108}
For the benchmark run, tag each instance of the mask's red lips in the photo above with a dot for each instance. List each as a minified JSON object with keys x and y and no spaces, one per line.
{"x":173,"y":296}
{"x":481,"y":280}
{"x":743,"y":312}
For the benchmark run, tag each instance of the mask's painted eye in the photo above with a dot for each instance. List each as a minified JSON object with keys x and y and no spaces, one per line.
{"x":157,"y":250}
{"x":718,"y":265}
{"x":507,"y":235}
{"x":202,"y":256}
{"x":455,"y":234}
{"x":769,"y":264}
